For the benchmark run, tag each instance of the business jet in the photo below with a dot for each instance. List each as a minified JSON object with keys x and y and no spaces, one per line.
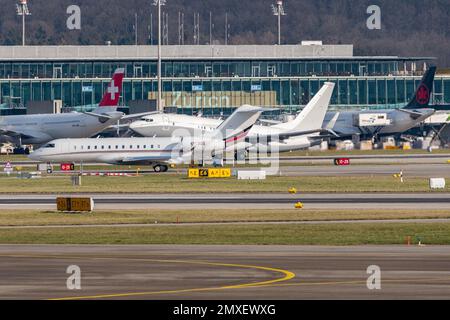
{"x":158,"y":152}
{"x":300,"y":133}
{"x":42,"y":128}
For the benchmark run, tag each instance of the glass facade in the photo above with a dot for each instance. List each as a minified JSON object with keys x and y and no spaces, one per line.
{"x":203,"y":69}
{"x":216,"y":86}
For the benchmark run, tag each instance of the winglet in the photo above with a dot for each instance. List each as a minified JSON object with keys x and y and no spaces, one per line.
{"x":237,"y":126}
{"x":332,"y":122}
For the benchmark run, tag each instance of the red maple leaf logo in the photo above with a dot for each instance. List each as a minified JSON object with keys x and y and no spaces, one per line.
{"x":423,"y":95}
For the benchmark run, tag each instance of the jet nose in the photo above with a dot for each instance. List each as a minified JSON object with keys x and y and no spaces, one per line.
{"x":35,"y":155}
{"x":135,"y":126}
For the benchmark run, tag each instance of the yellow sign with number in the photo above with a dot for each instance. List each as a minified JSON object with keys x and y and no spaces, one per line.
{"x":193,"y":173}
{"x":219,"y":173}
{"x":210,"y":173}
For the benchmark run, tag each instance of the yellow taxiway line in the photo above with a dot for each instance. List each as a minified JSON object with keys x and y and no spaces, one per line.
{"x":287,"y":275}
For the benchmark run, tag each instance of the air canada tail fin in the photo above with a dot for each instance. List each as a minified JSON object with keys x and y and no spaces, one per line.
{"x":421,"y":98}
{"x":312,"y":116}
{"x":237,"y":126}
{"x":112,"y":94}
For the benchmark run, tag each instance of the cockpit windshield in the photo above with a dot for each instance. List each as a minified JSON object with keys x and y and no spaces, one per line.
{"x":146,"y":119}
{"x":49,"y":145}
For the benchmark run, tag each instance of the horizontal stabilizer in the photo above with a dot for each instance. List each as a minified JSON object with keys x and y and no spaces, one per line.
{"x":416,"y":115}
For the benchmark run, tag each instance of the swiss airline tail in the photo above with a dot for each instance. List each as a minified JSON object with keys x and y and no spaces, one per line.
{"x":114,"y":90}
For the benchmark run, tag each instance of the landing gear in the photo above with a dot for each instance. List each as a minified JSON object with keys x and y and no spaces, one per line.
{"x":240,"y":155}
{"x":160,"y":168}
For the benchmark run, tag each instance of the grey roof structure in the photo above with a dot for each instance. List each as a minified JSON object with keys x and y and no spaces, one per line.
{"x":175,"y":52}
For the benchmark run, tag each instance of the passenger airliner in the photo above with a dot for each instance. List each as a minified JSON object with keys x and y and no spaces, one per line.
{"x":41,"y":128}
{"x":346,"y":123}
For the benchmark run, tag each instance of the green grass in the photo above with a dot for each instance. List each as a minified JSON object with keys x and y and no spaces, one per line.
{"x":149,"y":216}
{"x":173,"y":183}
{"x":336,"y":234}
{"x":13,"y":157}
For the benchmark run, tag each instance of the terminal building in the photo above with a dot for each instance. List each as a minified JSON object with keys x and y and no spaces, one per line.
{"x":211,"y":79}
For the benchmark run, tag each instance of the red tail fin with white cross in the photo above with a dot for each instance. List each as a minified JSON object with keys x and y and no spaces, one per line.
{"x":114,"y":90}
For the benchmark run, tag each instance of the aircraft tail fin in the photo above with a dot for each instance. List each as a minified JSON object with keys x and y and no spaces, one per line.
{"x":421,"y":98}
{"x":112,"y":94}
{"x":237,"y":126}
{"x":312,"y":116}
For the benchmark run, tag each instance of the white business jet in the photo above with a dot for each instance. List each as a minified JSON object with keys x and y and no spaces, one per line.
{"x":300,"y":133}
{"x":158,"y":152}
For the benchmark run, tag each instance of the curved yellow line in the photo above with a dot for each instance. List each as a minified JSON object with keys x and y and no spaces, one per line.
{"x":288,"y":275}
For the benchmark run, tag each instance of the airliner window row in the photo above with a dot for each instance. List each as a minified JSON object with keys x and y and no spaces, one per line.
{"x":117,"y":147}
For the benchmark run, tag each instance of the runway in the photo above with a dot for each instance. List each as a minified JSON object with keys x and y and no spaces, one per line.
{"x":325,"y":159}
{"x":423,"y":166}
{"x":224,"y":272}
{"x":371,"y":158}
{"x":243,"y":201}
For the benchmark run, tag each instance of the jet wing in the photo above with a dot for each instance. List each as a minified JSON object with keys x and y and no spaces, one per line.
{"x":102,"y":117}
{"x":148,"y":158}
{"x":271,"y":122}
{"x":9,"y":133}
{"x":290,"y":134}
{"x":25,"y":134}
{"x":415,"y":114}
{"x":139,"y":115}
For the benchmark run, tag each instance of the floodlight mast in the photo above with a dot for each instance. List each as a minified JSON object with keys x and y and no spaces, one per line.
{"x":22,"y":10}
{"x":279,"y":11}
{"x":159,"y":3}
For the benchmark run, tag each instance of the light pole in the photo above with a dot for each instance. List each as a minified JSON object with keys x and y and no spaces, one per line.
{"x":22,"y":10}
{"x":278,"y":10}
{"x":159,"y":3}
{"x":135,"y":28}
{"x":227,"y":29}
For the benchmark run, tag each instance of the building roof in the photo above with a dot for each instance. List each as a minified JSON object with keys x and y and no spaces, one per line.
{"x":189,"y":52}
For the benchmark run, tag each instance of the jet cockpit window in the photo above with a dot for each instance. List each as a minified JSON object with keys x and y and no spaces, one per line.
{"x":49,"y":145}
{"x":149,"y":120}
